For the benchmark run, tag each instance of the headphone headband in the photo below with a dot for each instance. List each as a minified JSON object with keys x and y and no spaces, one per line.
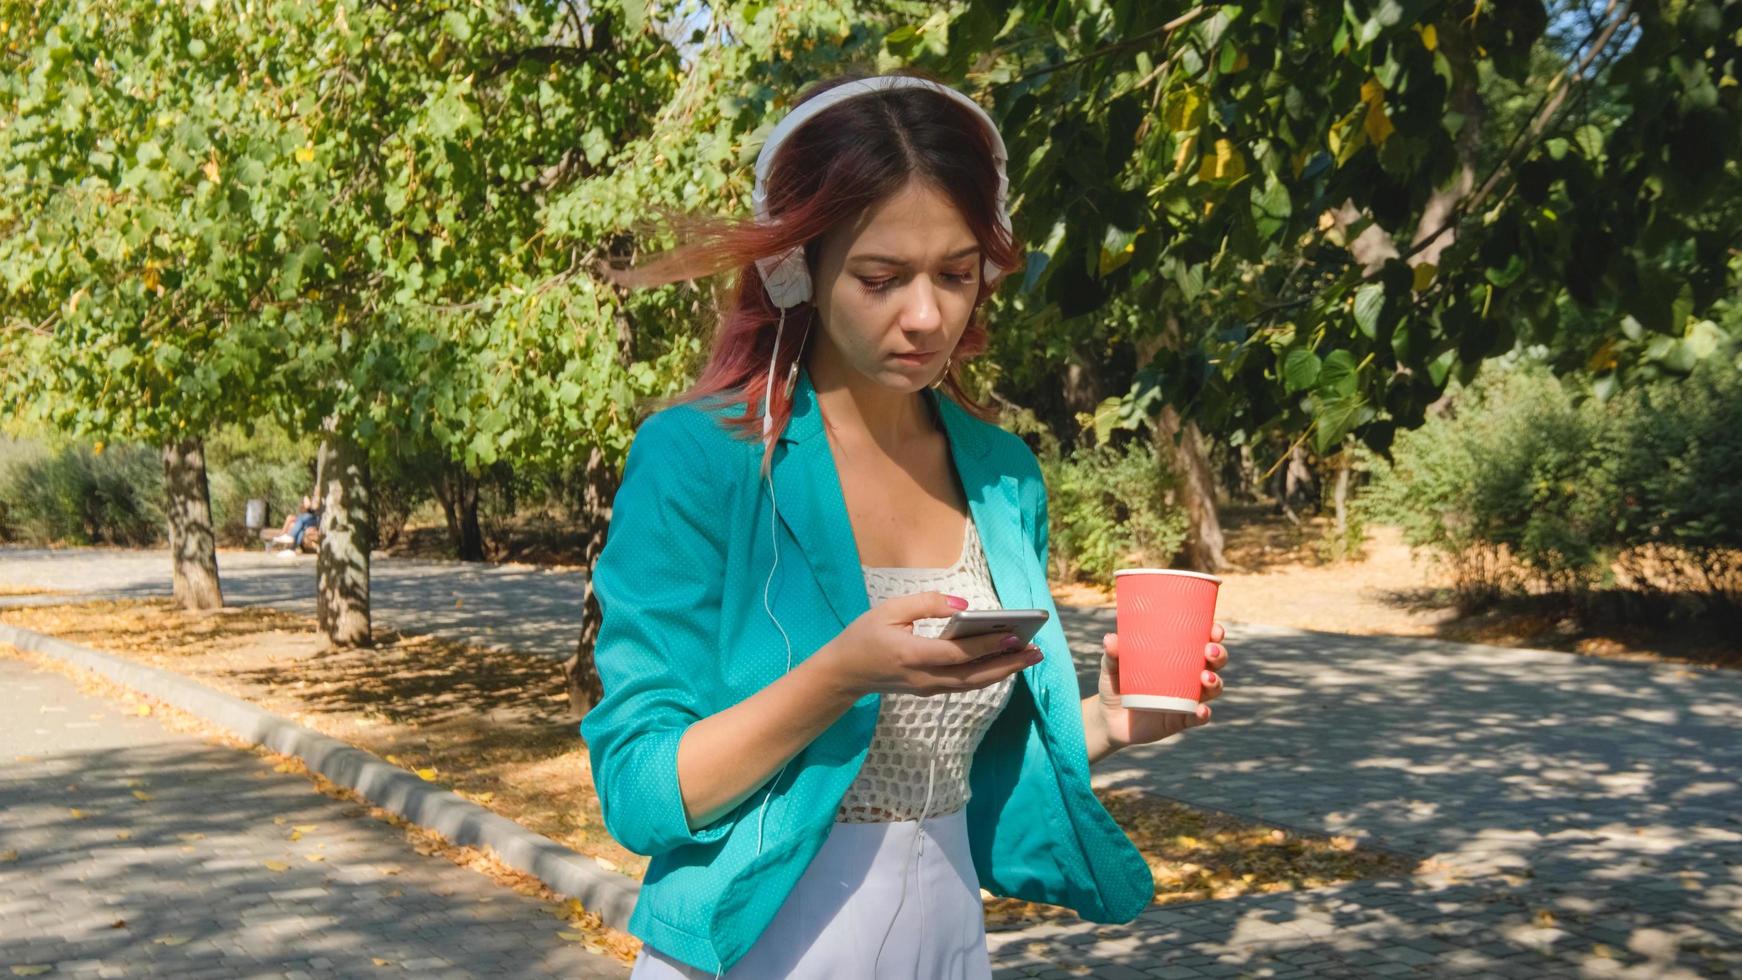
{"x":785,"y":276}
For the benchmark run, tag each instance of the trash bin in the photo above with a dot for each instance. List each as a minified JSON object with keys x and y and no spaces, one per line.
{"x":254,"y":514}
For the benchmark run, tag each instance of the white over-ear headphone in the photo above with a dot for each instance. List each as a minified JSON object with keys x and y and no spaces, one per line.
{"x":787,"y":280}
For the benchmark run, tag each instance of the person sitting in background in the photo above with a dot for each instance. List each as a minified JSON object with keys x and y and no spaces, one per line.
{"x":308,"y":515}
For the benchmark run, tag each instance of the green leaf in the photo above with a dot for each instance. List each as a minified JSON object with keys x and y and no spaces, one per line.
{"x":1339,"y":375}
{"x":1368,"y":301}
{"x":1300,"y":369}
{"x":1271,"y":207}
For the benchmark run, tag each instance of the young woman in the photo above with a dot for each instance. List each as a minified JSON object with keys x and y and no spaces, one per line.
{"x":823,"y":784}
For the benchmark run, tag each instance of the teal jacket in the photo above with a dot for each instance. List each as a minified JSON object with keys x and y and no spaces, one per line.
{"x":684,"y":635}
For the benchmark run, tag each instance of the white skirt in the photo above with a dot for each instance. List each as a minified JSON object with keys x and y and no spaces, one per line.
{"x":845,"y":903}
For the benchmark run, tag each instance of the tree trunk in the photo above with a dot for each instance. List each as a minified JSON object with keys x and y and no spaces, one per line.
{"x":342,"y":570}
{"x":191,"y":544}
{"x":1184,"y":448}
{"x":1340,"y":491}
{"x":458,"y":492}
{"x":598,"y":489}
{"x":1183,"y":451}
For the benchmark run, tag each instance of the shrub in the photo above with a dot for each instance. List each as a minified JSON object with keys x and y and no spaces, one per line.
{"x":80,"y":495}
{"x":1107,"y":508}
{"x":1524,"y":485}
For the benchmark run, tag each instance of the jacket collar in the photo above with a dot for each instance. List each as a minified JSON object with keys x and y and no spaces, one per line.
{"x":810,"y":503}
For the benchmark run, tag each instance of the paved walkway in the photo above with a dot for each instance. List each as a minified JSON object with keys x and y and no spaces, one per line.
{"x":193,"y":888}
{"x":1584,"y":816}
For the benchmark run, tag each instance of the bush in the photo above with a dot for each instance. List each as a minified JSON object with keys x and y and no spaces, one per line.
{"x":79,"y":495}
{"x":1108,"y":508}
{"x":1523,"y":485}
{"x":1667,"y":481}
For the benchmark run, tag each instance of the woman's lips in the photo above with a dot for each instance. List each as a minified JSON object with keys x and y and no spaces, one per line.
{"x":916,"y":359}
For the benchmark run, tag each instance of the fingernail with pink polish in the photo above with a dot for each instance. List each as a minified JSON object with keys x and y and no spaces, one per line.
{"x":956,"y":601}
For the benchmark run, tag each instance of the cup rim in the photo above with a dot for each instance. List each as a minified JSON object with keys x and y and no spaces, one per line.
{"x":1166,"y":571}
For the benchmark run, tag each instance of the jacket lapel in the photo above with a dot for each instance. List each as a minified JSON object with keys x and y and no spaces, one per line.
{"x":808,"y":496}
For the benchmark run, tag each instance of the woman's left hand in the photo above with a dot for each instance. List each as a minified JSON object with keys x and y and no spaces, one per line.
{"x":1125,"y":727}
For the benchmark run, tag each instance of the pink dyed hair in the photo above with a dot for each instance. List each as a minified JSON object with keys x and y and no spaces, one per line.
{"x":846,"y":159}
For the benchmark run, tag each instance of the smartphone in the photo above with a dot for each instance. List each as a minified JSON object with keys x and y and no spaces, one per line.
{"x":978,"y":622}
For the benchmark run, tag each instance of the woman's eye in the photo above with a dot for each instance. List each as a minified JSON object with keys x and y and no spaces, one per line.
{"x":876,"y":285}
{"x":961,"y":277}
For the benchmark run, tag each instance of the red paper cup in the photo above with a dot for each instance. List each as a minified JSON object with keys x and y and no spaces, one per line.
{"x":1164,"y":618}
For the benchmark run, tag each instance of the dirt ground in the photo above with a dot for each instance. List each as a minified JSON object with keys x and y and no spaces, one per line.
{"x":1280,"y":581}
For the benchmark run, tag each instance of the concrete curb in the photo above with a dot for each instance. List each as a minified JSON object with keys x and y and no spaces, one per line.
{"x":606,"y":893}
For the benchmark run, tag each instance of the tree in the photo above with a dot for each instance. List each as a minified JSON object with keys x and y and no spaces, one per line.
{"x":151,"y":183}
{"x":1249,"y":170}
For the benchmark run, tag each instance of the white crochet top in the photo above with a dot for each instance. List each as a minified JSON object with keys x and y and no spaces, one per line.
{"x":892,"y":783}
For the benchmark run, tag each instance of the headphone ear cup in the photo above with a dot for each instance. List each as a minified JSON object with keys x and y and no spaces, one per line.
{"x":786,"y":278}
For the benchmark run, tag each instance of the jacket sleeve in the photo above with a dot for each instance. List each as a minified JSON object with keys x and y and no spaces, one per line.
{"x":658,"y":582}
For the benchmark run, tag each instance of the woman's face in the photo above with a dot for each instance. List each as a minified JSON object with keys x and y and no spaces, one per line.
{"x":895,"y":289}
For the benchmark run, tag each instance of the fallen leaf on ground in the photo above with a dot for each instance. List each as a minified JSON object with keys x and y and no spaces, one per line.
{"x":315,"y":857}
{"x":170,"y":940}
{"x":29,"y":971}
{"x":123,"y":835}
{"x":306,"y":828}
{"x":142,"y":796}
{"x":77,"y":813}
{"x":142,"y":710}
{"x":429,"y":774}
{"x":6,"y":856}
{"x":378,"y":961}
{"x":276,"y":865}
{"x":191,"y":836}
{"x":573,"y":937}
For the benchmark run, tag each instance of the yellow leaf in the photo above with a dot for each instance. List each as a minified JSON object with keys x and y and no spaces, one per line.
{"x":30,"y":971}
{"x":1225,"y":163}
{"x":378,"y":961}
{"x":142,"y":796}
{"x":278,"y":820}
{"x":573,"y":937}
{"x":1184,"y":152}
{"x":1430,"y":39}
{"x":1377,"y":124}
{"x":484,"y":797}
{"x":8,"y":856}
{"x":77,"y":813}
{"x":123,"y":835}
{"x":1424,"y":276}
{"x":307,"y":828}
{"x":428,"y":774}
{"x":395,"y":760}
{"x":315,"y":857}
{"x":142,"y":710}
{"x":276,"y":865}
{"x":210,"y":169}
{"x":296,"y":835}
{"x":1602,"y":952}
{"x":170,"y":940}
{"x":1544,"y":918}
{"x":305,"y":154}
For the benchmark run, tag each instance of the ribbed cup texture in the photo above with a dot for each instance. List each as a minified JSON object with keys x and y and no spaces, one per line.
{"x":1164,"y":622}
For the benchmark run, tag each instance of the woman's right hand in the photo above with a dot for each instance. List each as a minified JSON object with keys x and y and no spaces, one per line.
{"x":879,"y":652}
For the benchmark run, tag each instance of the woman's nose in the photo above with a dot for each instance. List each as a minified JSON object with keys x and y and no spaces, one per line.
{"x":920,"y":309}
